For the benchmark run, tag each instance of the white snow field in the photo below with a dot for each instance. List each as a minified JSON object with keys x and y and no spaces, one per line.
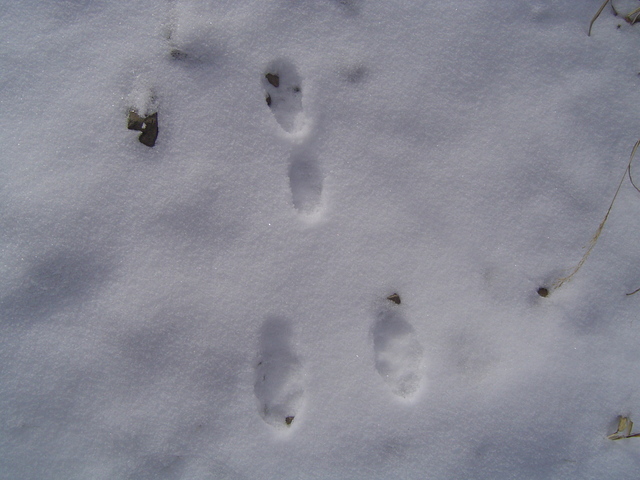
{"x":215,"y":306}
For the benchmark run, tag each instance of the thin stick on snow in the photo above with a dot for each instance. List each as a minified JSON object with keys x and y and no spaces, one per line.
{"x":558,"y":283}
{"x":595,"y":17}
{"x":633,"y":16}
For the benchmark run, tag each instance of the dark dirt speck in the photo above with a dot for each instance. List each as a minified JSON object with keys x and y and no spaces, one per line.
{"x":273,"y":79}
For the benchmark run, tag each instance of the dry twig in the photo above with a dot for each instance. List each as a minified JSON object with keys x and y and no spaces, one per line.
{"x":558,"y":283}
{"x":595,"y":17}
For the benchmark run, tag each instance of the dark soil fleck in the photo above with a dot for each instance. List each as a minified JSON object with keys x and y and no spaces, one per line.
{"x":135,"y":121}
{"x":543,"y":292}
{"x":273,"y":79}
{"x":149,"y":130}
{"x":395,"y":298}
{"x":148,"y":126}
{"x":178,"y":54}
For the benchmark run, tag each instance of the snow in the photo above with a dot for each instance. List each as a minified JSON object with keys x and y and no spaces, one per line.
{"x":215,"y":307}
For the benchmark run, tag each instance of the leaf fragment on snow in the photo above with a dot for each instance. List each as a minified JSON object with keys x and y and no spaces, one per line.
{"x":625,"y":425}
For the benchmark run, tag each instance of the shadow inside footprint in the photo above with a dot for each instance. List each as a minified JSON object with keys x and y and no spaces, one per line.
{"x":283,"y":90}
{"x":398,"y":353}
{"x":305,"y":181}
{"x":279,"y":380}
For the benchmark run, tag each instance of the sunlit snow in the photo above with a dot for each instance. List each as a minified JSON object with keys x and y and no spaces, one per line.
{"x":217,"y":306}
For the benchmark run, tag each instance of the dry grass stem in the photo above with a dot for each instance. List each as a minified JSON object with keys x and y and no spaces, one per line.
{"x":633,"y":16}
{"x":558,"y":283}
{"x":595,"y":17}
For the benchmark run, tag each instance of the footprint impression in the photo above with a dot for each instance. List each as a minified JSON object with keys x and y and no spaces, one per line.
{"x":398,"y":353}
{"x":279,"y":378}
{"x":305,"y":181}
{"x":283,"y":89}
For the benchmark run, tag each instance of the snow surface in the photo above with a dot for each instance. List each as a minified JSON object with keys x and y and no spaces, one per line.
{"x":164,"y":310}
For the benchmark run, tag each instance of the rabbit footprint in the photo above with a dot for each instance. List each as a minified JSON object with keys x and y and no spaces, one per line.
{"x":305,"y":181}
{"x":279,"y":378}
{"x":283,"y":89}
{"x":397,"y":351}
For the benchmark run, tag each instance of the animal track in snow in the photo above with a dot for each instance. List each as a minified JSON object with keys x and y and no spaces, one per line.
{"x":283,"y":88}
{"x":398,"y":353}
{"x":305,"y":181}
{"x":279,"y":379}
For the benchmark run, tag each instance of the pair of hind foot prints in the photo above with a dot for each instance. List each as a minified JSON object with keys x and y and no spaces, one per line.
{"x":279,"y":381}
{"x":283,"y":92}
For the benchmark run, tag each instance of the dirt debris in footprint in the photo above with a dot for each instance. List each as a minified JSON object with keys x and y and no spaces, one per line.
{"x":148,"y":125}
{"x":283,"y":93}
{"x":395,"y":298}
